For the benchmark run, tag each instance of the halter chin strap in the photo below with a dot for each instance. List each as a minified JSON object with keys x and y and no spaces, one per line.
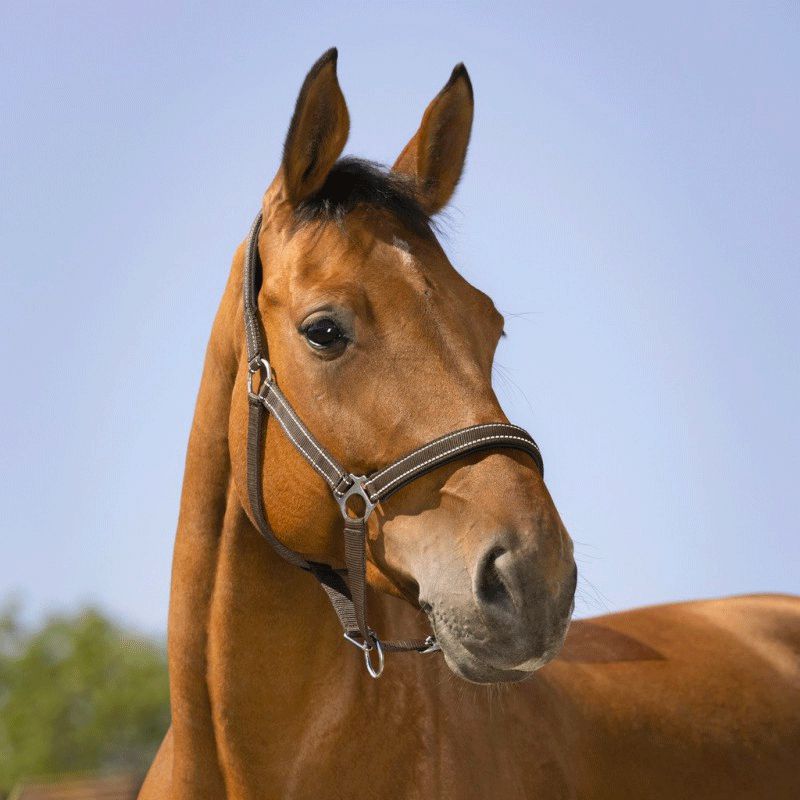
{"x":345,"y":588}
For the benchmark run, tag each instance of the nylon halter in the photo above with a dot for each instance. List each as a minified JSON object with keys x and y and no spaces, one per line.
{"x":345,"y":588}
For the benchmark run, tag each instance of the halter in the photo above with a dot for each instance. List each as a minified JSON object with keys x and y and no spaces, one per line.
{"x":345,"y":588}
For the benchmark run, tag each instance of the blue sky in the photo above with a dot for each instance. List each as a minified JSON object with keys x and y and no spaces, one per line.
{"x":631,"y":202}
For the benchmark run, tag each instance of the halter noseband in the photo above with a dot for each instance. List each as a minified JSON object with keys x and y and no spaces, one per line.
{"x":345,"y":588}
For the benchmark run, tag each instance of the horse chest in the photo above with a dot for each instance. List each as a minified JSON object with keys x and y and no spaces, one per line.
{"x":409,"y":743}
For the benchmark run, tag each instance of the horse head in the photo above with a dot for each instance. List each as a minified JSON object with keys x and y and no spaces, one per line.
{"x":381,"y":345}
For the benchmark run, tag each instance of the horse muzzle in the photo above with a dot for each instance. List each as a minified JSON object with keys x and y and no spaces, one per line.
{"x":502,"y":616}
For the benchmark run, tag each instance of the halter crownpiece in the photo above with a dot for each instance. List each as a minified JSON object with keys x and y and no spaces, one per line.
{"x":346,"y":588}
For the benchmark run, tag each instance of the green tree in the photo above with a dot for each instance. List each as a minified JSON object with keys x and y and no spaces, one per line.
{"x":78,"y":693}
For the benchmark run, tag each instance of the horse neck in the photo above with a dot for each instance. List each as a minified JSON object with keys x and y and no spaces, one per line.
{"x":252,"y":640}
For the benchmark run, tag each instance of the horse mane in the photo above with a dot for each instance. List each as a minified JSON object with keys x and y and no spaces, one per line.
{"x":357,"y":182}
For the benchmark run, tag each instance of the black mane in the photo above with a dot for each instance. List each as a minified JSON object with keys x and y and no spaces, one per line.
{"x":353,"y":182}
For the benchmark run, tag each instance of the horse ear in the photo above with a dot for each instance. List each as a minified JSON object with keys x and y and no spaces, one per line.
{"x":435,"y":155}
{"x":317,"y":133}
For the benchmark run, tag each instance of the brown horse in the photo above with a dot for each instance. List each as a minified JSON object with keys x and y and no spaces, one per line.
{"x":380,"y":345}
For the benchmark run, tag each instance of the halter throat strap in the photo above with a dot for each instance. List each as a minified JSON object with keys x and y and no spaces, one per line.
{"x":346,"y":588}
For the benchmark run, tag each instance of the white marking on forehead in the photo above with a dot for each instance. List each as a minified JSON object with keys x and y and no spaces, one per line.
{"x":413,"y":269}
{"x":401,"y":244}
{"x":405,"y":250}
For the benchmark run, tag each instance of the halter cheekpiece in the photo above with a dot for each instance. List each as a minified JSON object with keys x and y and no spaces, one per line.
{"x":345,"y":588}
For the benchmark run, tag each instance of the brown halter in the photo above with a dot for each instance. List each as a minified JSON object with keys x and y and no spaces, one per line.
{"x":346,"y":588}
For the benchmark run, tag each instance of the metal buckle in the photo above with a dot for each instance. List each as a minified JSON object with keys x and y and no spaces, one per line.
{"x":432,"y":646}
{"x":367,"y":648}
{"x":357,"y":488}
{"x":262,"y":366}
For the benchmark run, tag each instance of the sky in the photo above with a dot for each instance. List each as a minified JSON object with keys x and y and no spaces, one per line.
{"x":630,"y":202}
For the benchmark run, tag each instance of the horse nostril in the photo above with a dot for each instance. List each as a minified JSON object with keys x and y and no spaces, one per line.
{"x":490,"y":588}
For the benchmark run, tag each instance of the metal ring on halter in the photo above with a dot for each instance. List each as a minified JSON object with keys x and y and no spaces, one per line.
{"x":366,"y":648}
{"x":357,"y":488}
{"x":374,"y":672}
{"x":259,"y":365}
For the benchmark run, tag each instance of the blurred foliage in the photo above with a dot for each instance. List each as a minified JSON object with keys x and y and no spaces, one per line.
{"x":78,"y":693}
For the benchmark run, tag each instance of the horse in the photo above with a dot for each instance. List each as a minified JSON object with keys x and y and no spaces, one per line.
{"x":380,"y":345}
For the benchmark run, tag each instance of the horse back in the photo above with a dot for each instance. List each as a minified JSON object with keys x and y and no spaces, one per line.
{"x":697,"y":699}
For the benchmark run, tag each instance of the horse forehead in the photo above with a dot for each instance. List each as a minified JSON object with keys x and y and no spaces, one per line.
{"x":324,"y":255}
{"x":385,"y":264}
{"x":401,"y":263}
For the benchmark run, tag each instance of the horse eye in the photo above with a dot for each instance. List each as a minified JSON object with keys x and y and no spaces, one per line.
{"x":323,"y":333}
